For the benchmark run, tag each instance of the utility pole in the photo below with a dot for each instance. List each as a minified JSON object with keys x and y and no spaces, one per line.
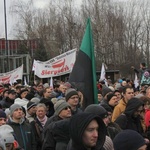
{"x":6,"y":39}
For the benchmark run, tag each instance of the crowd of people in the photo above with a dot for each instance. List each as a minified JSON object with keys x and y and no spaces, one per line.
{"x":41,"y":117}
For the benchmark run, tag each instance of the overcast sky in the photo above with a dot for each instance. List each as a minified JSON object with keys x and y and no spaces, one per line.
{"x":11,"y":19}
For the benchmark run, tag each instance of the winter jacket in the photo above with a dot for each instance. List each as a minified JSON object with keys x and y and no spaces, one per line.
{"x":78,"y":124}
{"x":127,"y":120}
{"x":37,"y":129}
{"x":57,"y":136}
{"x":23,"y":134}
{"x":119,"y":109}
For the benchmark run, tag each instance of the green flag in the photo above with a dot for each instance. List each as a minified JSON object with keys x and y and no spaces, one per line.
{"x":83,"y":75}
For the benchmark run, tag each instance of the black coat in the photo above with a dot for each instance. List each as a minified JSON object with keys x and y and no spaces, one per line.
{"x":57,"y":136}
{"x":23,"y":134}
{"x":78,"y":124}
{"x":127,"y":120}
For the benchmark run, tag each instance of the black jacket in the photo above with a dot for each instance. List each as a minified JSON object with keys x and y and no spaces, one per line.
{"x":128,"y":120}
{"x":57,"y":135}
{"x":78,"y":124}
{"x":23,"y":134}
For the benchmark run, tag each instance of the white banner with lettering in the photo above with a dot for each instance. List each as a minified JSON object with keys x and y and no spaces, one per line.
{"x":12,"y":76}
{"x":56,"y":66}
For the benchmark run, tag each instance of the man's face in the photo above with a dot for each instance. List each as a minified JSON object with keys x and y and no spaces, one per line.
{"x":48,"y":92}
{"x":63,"y":88}
{"x":2,"y":121}
{"x":113,"y":101}
{"x":73,"y":100}
{"x":90,"y":135}
{"x":118,"y":94}
{"x":128,"y":94}
{"x":66,"y":112}
{"x":100,"y":97}
{"x":39,"y":88}
{"x":12,"y":96}
{"x":17,"y":114}
{"x":32,"y":110}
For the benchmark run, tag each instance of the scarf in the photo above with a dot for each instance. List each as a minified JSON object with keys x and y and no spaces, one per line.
{"x":43,"y":121}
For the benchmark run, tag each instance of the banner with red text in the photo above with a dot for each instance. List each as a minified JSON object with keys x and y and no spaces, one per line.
{"x":56,"y":66}
{"x":12,"y":76}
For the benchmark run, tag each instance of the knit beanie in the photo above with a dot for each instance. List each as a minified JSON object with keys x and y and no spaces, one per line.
{"x":97,"y":110}
{"x":59,"y":106}
{"x":30,"y":105}
{"x":35,"y":100}
{"x":70,"y":92}
{"x":13,"y":108}
{"x":109,"y":96}
{"x":2,"y":114}
{"x":128,"y":139}
{"x":108,"y":145}
{"x":105,"y":90}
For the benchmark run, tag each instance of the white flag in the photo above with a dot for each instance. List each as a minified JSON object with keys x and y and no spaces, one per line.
{"x":51,"y":82}
{"x":25,"y":81}
{"x":103,"y":73}
{"x":136,"y":81}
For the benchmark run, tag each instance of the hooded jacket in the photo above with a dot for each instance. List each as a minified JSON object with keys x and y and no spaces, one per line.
{"x":78,"y":124}
{"x":127,"y":120}
{"x":57,"y":136}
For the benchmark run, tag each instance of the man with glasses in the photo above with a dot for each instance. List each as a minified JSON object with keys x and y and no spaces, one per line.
{"x":62,"y":112}
{"x":72,"y":98}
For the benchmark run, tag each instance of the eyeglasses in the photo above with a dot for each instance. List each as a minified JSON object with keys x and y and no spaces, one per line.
{"x":75,"y":97}
{"x":66,"y":108}
{"x":140,"y":111}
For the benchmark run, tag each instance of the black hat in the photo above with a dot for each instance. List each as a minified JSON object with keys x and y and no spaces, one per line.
{"x":30,"y":105}
{"x":109,"y":96}
{"x":97,"y":110}
{"x":70,"y":92}
{"x":11,"y":92}
{"x":128,"y":139}
{"x":2,"y":114}
{"x":105,"y":90}
{"x":29,"y":96}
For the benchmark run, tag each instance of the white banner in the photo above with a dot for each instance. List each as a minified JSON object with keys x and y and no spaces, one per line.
{"x":56,"y":66}
{"x":10,"y":77}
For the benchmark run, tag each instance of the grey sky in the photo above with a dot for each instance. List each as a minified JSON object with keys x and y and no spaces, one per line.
{"x":11,"y":19}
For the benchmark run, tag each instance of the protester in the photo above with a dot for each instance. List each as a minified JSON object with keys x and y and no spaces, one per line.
{"x":129,"y":140}
{"x":3,"y":117}
{"x":101,"y":112}
{"x":62,"y":112}
{"x":38,"y":124}
{"x":87,"y":131}
{"x":72,"y":98}
{"x":22,"y":130}
{"x":128,"y":93}
{"x":31,"y":111}
{"x":6,"y":103}
{"x":131,"y":118}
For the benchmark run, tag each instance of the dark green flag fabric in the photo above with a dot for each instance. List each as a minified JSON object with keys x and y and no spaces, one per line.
{"x":83,"y":75}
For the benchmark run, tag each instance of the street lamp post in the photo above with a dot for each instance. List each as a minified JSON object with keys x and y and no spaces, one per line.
{"x":6,"y":39}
